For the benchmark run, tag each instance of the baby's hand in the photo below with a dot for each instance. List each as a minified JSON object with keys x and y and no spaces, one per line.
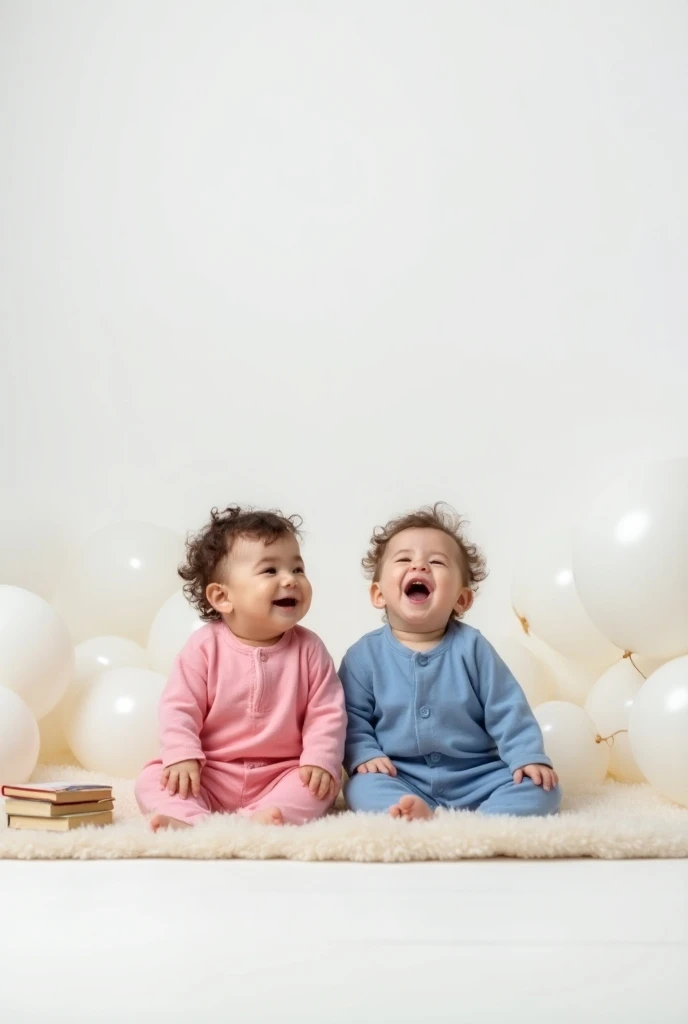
{"x":539,"y":773}
{"x":377,"y":764}
{"x":184,"y":776}
{"x":320,"y":782}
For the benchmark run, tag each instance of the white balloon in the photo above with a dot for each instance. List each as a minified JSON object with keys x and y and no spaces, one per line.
{"x":171,"y":628}
{"x":118,"y":580}
{"x":545,"y":599}
{"x":102,"y":652}
{"x":658,"y":730}
{"x":571,"y":744}
{"x":19,"y":739}
{"x":530,"y":673}
{"x":609,"y":705}
{"x":573,"y":680}
{"x":36,"y":654}
{"x":630,"y":561}
{"x":91,"y":658}
{"x":112,"y":723}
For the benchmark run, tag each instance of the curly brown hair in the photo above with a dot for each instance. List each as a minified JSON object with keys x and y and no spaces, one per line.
{"x":206,"y":549}
{"x":439,"y":516}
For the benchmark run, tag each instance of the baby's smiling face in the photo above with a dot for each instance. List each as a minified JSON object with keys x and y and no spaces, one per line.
{"x":421,"y":581}
{"x":262,"y":588}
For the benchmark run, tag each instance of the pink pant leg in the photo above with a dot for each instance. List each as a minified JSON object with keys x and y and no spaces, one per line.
{"x":221,"y":786}
{"x":279,"y":786}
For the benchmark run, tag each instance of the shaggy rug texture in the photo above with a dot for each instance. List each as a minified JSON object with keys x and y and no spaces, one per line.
{"x":613,"y":821}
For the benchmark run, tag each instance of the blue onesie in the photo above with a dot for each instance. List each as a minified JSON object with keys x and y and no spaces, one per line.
{"x":453,"y":720}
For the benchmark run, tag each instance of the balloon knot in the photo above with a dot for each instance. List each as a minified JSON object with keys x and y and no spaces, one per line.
{"x":609,"y":740}
{"x":525,"y":625}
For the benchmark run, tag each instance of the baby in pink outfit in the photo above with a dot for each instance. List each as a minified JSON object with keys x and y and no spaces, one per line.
{"x":252,"y":718}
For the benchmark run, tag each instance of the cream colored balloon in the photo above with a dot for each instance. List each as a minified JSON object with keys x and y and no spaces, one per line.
{"x":112,"y":724}
{"x":630,"y":561}
{"x":609,"y":705}
{"x":119,"y":579}
{"x":171,"y":628}
{"x":36,"y":654}
{"x":530,"y":673}
{"x":54,"y":746}
{"x":570,"y":735}
{"x":19,"y":739}
{"x":658,"y":730}
{"x":572,"y":679}
{"x":544,"y":596}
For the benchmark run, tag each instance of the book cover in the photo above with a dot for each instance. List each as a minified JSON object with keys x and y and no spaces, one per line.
{"x":59,"y":792}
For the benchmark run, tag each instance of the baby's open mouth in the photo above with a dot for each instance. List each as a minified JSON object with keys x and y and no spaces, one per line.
{"x":286,"y":602}
{"x":417,"y":591}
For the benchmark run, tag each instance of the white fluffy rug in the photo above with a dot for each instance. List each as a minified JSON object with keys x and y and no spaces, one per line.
{"x":614,"y":821}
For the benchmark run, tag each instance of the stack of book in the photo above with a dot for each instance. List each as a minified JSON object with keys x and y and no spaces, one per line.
{"x":57,"y":806}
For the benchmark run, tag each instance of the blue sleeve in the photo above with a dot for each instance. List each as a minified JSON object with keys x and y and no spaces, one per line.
{"x":508,"y":717}
{"x":361,"y":741}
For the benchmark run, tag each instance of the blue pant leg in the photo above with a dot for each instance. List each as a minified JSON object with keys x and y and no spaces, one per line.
{"x":489,"y":787}
{"x":375,"y":791}
{"x":524,"y":799}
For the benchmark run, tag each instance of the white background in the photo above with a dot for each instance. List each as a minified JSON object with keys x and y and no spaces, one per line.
{"x":339,"y":258}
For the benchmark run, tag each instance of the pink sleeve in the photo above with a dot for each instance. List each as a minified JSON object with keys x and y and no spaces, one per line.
{"x":183,"y":708}
{"x":324,"y":726}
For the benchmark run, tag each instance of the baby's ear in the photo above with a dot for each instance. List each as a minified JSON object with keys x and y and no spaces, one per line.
{"x":464,"y":601}
{"x":218,"y":598}
{"x":376,"y":596}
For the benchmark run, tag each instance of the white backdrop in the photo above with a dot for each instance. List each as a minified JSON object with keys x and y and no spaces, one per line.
{"x":339,"y":258}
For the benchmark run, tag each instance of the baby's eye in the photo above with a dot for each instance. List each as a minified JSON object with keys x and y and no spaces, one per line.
{"x":299,"y":568}
{"x":271,"y":570}
{"x":403,"y":559}
{"x":436,"y":561}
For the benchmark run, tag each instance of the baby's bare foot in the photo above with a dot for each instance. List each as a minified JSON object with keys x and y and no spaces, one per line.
{"x":268,"y":816}
{"x":411,"y":808}
{"x":159,"y":821}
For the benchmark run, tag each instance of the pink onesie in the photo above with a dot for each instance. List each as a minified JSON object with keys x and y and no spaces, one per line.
{"x":251,"y":716}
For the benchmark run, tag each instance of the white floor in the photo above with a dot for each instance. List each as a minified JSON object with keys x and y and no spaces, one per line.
{"x":507,"y":941}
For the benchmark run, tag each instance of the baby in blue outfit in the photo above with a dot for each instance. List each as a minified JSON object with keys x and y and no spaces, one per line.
{"x":436,"y":719}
